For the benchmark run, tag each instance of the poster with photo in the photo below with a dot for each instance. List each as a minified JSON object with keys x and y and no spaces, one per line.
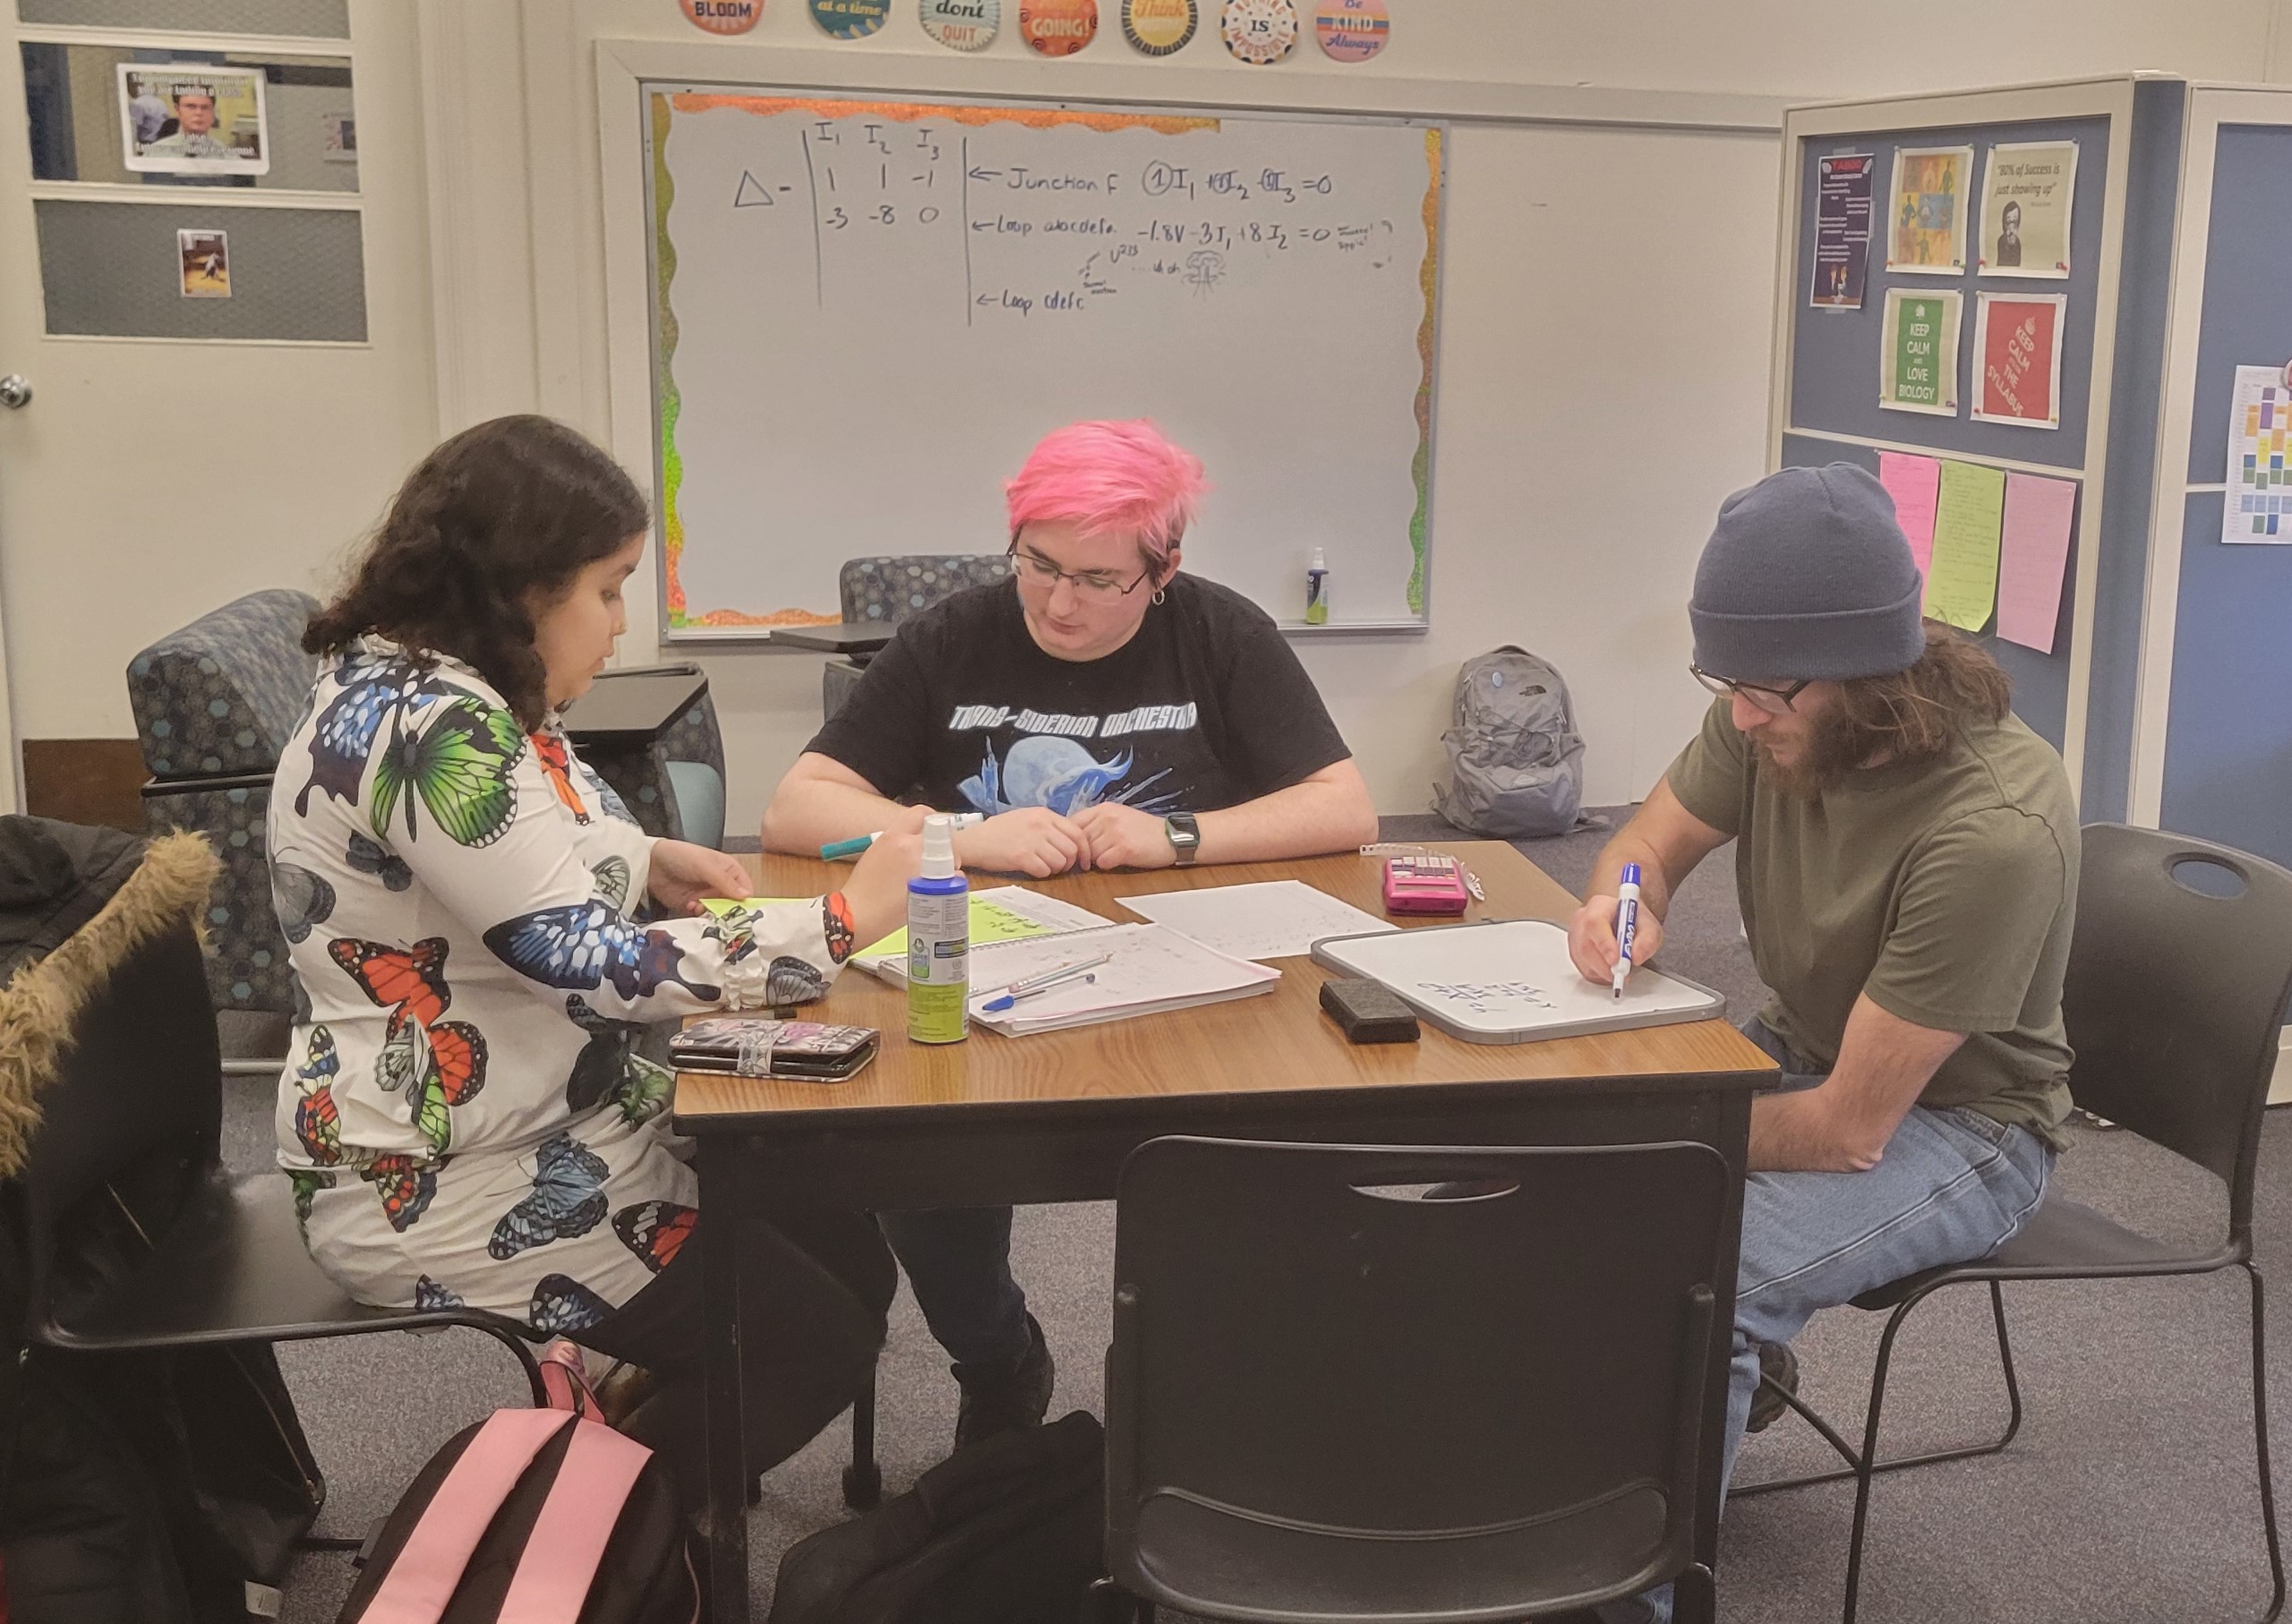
{"x":2026,"y":191}
{"x":192,"y":118}
{"x":1918,"y":357}
{"x":2017,"y":358}
{"x":1842,"y":230}
{"x":1926,"y":224}
{"x":205,"y":260}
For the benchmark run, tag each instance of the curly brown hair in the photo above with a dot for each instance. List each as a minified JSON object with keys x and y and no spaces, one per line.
{"x":501,"y":513}
{"x":1913,"y":715}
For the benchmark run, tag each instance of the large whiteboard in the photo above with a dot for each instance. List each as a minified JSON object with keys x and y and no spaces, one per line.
{"x":865,"y":313}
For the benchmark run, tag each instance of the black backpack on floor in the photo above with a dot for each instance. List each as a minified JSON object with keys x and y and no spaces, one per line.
{"x":1010,"y":1530}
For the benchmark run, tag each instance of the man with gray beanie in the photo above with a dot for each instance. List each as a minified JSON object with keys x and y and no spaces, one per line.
{"x":1906,"y":857}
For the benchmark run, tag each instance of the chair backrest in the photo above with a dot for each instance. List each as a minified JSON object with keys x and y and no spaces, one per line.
{"x":2180,"y":966}
{"x":222,"y":695}
{"x":890,"y":589}
{"x":139,"y":1088}
{"x":1302,"y":1339}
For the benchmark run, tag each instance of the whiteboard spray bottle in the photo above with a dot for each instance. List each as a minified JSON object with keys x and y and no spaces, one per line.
{"x":939,"y":941}
{"x":1317,"y":591}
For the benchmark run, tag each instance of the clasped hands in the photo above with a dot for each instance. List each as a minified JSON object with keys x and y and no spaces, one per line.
{"x":1038,"y":842}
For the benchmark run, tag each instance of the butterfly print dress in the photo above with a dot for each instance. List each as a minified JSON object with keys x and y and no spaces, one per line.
{"x":462,"y":1111}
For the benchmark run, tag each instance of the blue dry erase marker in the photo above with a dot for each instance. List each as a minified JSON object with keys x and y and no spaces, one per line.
{"x":1081,"y":971}
{"x":1626,"y":922}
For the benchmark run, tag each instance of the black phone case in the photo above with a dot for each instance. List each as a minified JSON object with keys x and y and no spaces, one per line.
{"x":1369,"y":1012}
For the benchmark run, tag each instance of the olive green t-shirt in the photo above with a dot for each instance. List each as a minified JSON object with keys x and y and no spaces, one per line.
{"x":1943,"y":889}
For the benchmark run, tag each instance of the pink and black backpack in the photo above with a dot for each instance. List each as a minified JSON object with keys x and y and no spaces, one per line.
{"x":534,"y":1517}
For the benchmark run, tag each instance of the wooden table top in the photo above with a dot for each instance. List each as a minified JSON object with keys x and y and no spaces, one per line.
{"x":1276,"y":1042}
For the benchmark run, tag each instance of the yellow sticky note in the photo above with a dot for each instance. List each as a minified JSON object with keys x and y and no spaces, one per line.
{"x":1969,"y":514}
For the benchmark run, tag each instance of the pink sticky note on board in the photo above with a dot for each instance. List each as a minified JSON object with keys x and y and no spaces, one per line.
{"x":1915,"y":483}
{"x":2033,"y":557}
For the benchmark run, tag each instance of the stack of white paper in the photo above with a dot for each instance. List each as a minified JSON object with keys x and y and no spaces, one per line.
{"x":1151,"y":969}
{"x":1270,"y":920}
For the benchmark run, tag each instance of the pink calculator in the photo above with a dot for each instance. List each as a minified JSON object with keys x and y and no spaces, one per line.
{"x":1430,"y":884}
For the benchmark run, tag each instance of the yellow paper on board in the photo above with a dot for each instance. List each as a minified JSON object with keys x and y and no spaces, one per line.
{"x":1969,"y":516}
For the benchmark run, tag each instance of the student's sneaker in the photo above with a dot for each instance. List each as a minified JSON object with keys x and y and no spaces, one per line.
{"x":1779,"y":1365}
{"x":1006,"y":1398}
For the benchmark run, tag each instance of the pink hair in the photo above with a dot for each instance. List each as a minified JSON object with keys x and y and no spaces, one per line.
{"x":1109,"y":479}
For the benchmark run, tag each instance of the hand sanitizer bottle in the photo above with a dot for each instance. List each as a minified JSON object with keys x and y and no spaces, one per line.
{"x":1317,"y":591}
{"x":938,"y":941}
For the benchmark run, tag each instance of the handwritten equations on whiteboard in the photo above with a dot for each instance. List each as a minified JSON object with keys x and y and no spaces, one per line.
{"x":865,"y":314}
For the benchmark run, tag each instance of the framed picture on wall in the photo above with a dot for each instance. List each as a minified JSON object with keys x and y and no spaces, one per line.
{"x":2025,"y":196}
{"x":205,"y":258}
{"x":1926,"y":229}
{"x":1918,"y":356}
{"x":2017,"y":358}
{"x":192,"y":118}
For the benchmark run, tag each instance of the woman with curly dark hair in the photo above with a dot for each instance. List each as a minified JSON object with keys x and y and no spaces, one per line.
{"x":463,"y":1111}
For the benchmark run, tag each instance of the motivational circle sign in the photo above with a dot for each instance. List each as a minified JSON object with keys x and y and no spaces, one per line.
{"x":851,"y":19}
{"x":1259,"y":31}
{"x":1352,"y":30}
{"x":1159,"y":27}
{"x":963,"y":25}
{"x":1058,"y":27}
{"x":723,"y":16}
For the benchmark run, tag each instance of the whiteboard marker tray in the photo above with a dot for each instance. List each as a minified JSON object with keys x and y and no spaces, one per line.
{"x":1511,"y":981}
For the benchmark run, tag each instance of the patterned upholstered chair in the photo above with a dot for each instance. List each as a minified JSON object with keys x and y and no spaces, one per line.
{"x":674,"y":785}
{"x":890,"y":589}
{"x":214,"y":702}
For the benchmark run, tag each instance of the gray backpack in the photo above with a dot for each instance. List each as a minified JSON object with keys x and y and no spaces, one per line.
{"x":1515,"y":765}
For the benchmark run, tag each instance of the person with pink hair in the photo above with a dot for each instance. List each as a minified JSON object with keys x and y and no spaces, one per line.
{"x":1103,"y":710}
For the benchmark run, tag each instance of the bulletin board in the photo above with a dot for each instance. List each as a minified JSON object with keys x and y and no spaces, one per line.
{"x":2229,"y":710}
{"x":2079,"y":694}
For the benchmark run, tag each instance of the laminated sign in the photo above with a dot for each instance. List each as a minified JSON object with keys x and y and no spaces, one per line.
{"x":1918,"y":360}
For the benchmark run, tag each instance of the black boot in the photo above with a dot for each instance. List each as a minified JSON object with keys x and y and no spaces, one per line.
{"x":1779,"y":1365}
{"x":1005,"y":1397}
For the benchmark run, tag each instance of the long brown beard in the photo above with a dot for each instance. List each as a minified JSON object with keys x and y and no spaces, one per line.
{"x":1835,"y":746}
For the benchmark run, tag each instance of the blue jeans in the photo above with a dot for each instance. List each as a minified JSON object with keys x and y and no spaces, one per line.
{"x":1953,"y":1185}
{"x":958,"y":1260}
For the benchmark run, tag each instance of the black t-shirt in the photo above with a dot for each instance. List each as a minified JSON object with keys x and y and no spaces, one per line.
{"x":1206,"y":706}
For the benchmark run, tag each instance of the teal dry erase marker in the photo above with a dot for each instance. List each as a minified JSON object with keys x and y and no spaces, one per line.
{"x":859,"y":843}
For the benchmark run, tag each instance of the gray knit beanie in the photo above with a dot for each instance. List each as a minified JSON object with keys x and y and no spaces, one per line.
{"x":1806,"y":575}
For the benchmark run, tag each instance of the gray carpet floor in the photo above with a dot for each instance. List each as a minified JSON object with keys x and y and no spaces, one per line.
{"x":2130,"y":1495}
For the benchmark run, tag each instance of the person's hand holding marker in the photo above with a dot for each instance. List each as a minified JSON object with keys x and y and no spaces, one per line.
{"x":1592,"y":942}
{"x":1626,"y":925}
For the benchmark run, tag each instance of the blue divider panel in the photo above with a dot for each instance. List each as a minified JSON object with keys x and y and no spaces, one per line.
{"x":2229,"y":743}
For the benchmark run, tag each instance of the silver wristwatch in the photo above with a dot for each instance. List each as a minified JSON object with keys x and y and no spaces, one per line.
{"x":1185,"y":837}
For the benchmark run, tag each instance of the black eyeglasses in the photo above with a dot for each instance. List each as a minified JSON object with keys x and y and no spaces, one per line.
{"x":1773,"y":701}
{"x":1036,"y":570}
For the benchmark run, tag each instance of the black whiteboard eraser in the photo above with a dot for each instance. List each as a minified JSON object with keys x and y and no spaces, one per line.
{"x":1369,"y":1012}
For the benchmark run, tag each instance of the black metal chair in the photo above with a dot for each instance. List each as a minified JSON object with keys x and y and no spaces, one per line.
{"x":1331,"y":1398}
{"x":2180,"y":968}
{"x":136,"y":1109}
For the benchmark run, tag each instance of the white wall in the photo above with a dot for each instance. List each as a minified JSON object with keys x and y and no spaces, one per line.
{"x":1646,"y":261}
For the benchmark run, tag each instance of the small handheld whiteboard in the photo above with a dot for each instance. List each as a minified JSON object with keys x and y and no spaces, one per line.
{"x":1510,"y":982}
